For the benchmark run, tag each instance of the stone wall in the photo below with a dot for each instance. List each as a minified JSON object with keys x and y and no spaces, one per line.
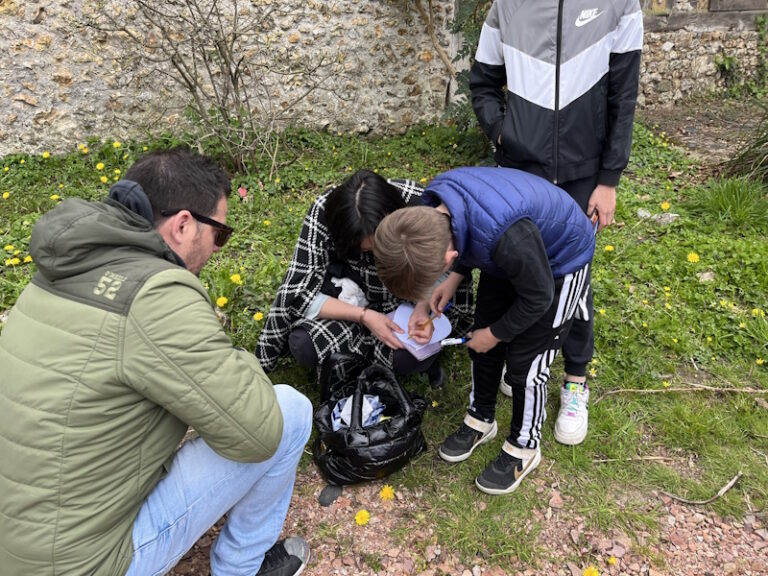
{"x":61,"y":82}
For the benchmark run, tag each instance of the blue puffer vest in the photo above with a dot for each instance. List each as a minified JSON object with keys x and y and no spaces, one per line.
{"x":484,"y":202}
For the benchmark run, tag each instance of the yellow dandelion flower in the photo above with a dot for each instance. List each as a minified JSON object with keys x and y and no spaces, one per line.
{"x":116,"y":144}
{"x":665,"y":383}
{"x":667,"y":289}
{"x":6,"y":195}
{"x":145,"y":148}
{"x":267,"y":223}
{"x":104,"y":179}
{"x":117,"y":170}
{"x":362,"y":517}
{"x":116,"y":178}
{"x":221,"y":301}
{"x":27,"y":259}
{"x":755,"y":312}
{"x":609,"y":248}
{"x":594,"y":360}
{"x":759,"y":361}
{"x":709,"y":338}
{"x":15,"y":261}
{"x":645,"y":324}
{"x":665,"y":205}
{"x":611,"y":561}
{"x":435,"y":404}
{"x":61,"y":186}
{"x":100,"y":166}
{"x":277,"y":180}
{"x":258,"y":317}
{"x":645,"y":301}
{"x":54,"y":196}
{"x":80,"y":146}
{"x":602,"y":311}
{"x":7,"y":261}
{"x":668,"y":306}
{"x":422,"y":180}
{"x":386,"y":493}
{"x":16,"y":252}
{"x":8,"y":248}
{"x":84,"y":150}
{"x":592,"y":372}
{"x":5,"y":168}
{"x":693,"y":257}
{"x":590,"y":571}
{"x":236,"y":279}
{"x":674,"y":340}
{"x":22,"y":161}
{"x":46,"y":154}
{"x":742,"y":325}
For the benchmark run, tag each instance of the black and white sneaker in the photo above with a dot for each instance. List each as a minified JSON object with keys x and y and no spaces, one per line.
{"x":287,"y":557}
{"x":504,"y":474}
{"x":473,"y":432}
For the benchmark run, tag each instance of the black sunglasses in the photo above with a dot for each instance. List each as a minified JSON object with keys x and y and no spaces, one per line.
{"x":223,"y":232}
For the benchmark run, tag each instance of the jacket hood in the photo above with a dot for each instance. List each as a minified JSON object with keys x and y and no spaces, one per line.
{"x":78,"y":236}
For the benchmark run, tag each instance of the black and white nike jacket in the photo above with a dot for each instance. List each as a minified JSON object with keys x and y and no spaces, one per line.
{"x":571,"y":68}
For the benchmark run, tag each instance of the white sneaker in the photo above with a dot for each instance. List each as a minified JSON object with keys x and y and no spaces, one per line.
{"x":505,"y":388}
{"x":573,"y":417}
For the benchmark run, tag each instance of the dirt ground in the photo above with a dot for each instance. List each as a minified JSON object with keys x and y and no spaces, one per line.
{"x":693,"y":540}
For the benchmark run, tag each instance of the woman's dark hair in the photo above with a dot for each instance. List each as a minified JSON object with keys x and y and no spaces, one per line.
{"x":355,"y":208}
{"x":180,"y":179}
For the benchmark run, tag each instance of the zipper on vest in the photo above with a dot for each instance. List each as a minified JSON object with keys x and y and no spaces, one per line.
{"x":555,"y":128}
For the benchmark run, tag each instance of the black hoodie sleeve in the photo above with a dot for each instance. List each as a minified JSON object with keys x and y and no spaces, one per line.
{"x":521,"y":255}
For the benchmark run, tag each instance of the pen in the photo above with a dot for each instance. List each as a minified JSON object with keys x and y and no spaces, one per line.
{"x":432,"y":317}
{"x":453,"y":341}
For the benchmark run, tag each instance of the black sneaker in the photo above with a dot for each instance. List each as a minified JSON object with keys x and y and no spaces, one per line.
{"x":472,"y":432}
{"x":287,"y":557}
{"x":504,"y":474}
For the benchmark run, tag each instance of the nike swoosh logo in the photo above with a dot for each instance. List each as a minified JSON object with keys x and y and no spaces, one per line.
{"x":583,"y":21}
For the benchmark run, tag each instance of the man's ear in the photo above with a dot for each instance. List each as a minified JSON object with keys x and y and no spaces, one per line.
{"x":450,"y":256}
{"x":176,"y":228}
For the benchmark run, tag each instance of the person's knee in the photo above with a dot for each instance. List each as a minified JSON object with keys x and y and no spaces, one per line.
{"x":302,"y":348}
{"x":296,"y":409}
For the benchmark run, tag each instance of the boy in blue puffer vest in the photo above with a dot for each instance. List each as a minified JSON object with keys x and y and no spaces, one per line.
{"x":533,"y":246}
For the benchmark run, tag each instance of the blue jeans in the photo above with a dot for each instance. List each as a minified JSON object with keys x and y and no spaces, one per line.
{"x":203,"y":486}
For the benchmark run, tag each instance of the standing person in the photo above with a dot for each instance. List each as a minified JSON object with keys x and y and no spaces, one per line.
{"x":109,"y":354}
{"x":533,"y":246}
{"x":332,"y":300}
{"x":571,"y":71}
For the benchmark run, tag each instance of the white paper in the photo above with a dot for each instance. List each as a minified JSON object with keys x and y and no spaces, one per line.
{"x":403,"y":315}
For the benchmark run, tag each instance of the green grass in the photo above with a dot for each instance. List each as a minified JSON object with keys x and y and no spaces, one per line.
{"x":675,"y":303}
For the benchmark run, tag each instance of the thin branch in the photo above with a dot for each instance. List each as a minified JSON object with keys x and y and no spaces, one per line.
{"x":634,"y":459}
{"x":722,"y":491}
{"x":697,"y":388}
{"x":431,"y":29}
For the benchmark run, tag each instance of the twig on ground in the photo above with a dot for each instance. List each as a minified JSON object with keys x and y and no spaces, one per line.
{"x":722,"y":491}
{"x":693,"y":388}
{"x":756,"y":451}
{"x":632,"y":459}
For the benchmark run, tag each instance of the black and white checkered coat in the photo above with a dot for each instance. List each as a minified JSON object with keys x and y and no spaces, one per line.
{"x":304,"y":279}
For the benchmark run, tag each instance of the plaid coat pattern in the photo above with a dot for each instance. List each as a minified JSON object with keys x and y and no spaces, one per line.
{"x":302,"y":283}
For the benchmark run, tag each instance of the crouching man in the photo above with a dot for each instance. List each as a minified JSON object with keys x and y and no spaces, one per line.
{"x":532,"y":244}
{"x":108,"y":355}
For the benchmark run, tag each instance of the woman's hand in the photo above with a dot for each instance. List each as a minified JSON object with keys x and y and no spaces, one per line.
{"x":383,"y":328}
{"x":482,"y":340}
{"x":443,"y":292}
{"x":419,"y":318}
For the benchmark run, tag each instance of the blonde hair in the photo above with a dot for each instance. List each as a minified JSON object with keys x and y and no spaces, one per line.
{"x":409,"y":249}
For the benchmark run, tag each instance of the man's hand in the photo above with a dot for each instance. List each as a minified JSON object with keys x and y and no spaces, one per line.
{"x":443,"y":292}
{"x":482,"y":340}
{"x":602,"y":203}
{"x":383,"y":328}
{"x":420,"y":317}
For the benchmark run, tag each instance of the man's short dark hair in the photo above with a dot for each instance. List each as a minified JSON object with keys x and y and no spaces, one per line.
{"x":180,"y":179}
{"x":354,"y":209}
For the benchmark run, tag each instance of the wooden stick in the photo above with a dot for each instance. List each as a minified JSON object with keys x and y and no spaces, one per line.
{"x":722,"y":491}
{"x":696,"y":388}
{"x":756,"y":451}
{"x":632,"y":459}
